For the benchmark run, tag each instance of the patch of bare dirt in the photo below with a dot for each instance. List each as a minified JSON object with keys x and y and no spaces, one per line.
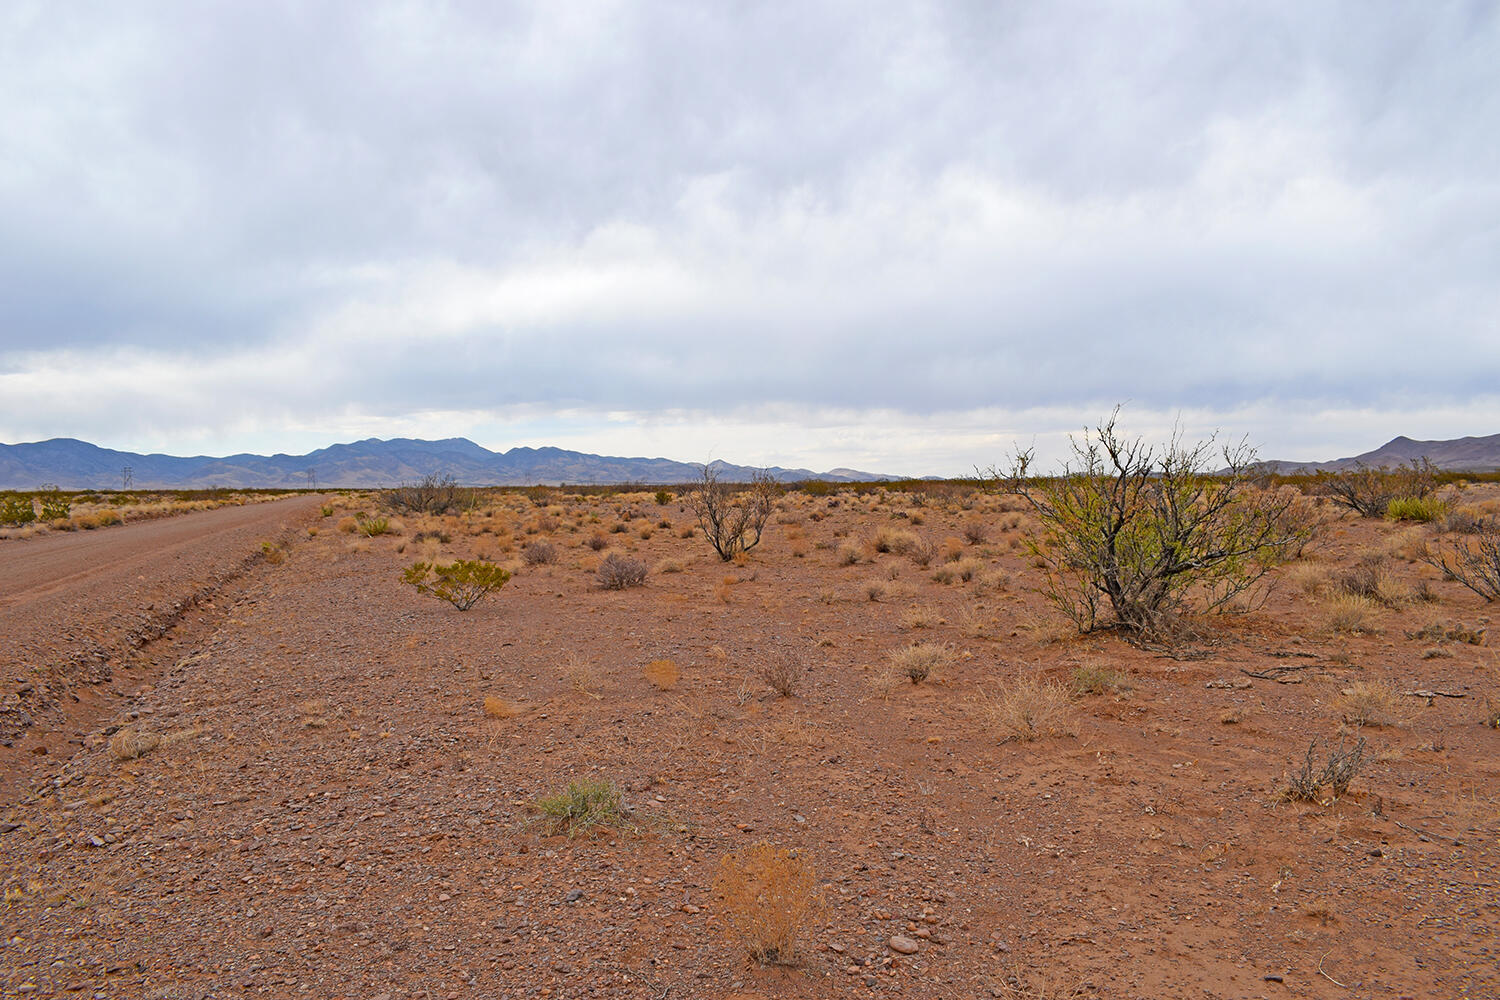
{"x":333,"y":809}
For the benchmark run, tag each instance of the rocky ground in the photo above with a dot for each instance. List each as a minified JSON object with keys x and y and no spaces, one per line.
{"x":338,"y":794}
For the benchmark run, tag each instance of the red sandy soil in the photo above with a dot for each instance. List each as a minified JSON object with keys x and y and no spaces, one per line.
{"x":332,"y":813}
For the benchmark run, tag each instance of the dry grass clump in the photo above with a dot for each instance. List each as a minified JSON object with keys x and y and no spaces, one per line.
{"x":1373,"y":578}
{"x":663,"y":674}
{"x":1371,"y":703}
{"x":1096,"y":678}
{"x":975,"y":532}
{"x":849,"y":554}
{"x":1031,"y":707}
{"x":668,"y":565}
{"x":920,"y":618}
{"x":619,"y":572}
{"x":1306,"y":577}
{"x":1306,"y":784}
{"x":498,"y":708}
{"x":783,"y":672}
{"x":1349,"y":614}
{"x":130,"y":743}
{"x":582,"y":675}
{"x":920,"y":661}
{"x":767,"y":896}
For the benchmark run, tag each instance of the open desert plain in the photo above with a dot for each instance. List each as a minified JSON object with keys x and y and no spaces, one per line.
{"x":246,"y":758}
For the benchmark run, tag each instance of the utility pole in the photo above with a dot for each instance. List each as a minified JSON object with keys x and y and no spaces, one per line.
{"x":127,"y":477}
{"x":312,"y":479}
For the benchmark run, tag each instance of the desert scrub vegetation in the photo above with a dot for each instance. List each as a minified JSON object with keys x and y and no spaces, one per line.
{"x":1369,"y":492}
{"x":432,"y":494}
{"x":1422,"y":510}
{"x":463,"y":583}
{"x":1096,"y":678}
{"x":1151,"y":532}
{"x":16,"y":510}
{"x":619,"y":572}
{"x":1371,"y":703}
{"x":538,"y":552}
{"x":1030,"y":707}
{"x":920,"y":661}
{"x":782,"y":672}
{"x":1306,"y":783}
{"x":768,"y":897}
{"x":732,"y":517}
{"x":582,"y":807}
{"x":1473,"y":561}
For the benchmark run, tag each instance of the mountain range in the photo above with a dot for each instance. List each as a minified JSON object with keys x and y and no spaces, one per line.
{"x":75,"y":465}
{"x":1465,"y":454}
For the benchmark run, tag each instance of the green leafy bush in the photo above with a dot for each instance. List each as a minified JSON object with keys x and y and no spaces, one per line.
{"x":1153,"y":532}
{"x":462,"y":584}
{"x":16,"y":509}
{"x":1369,"y":492}
{"x":582,"y":806}
{"x":55,"y":506}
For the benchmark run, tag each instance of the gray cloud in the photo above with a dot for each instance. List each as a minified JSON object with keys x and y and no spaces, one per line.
{"x":229,"y":220}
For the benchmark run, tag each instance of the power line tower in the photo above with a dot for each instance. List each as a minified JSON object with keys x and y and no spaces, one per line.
{"x":127,"y":478}
{"x":312,"y":479}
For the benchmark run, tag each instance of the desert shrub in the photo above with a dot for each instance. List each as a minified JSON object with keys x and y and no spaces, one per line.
{"x":1491,"y":715}
{"x":849,"y":554}
{"x":1153,"y":533}
{"x":1371,"y":703}
{"x":920,"y":660}
{"x":733,"y":519}
{"x":538,"y":553}
{"x":597,"y":541}
{"x":1473,"y":561}
{"x":1372,"y":578}
{"x":130,"y":743}
{"x":54,"y":505}
{"x":1029,"y":708}
{"x":1464,"y":520}
{"x":923,"y":552}
{"x":373,"y":526}
{"x":782,"y":671}
{"x":975,"y":532}
{"x":432,"y":494}
{"x":1307,"y":782}
{"x":16,"y":509}
{"x":767,"y":896}
{"x":1419,"y":509}
{"x":462,"y":584}
{"x":326,"y":510}
{"x":582,"y":807}
{"x":663,"y":498}
{"x":1369,"y":492}
{"x":968,"y":569}
{"x":618,"y":572}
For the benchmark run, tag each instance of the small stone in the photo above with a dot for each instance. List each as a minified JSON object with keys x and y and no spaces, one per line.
{"x":902,"y":945}
{"x":573,"y":896}
{"x":689,"y":908}
{"x":1273,"y":978}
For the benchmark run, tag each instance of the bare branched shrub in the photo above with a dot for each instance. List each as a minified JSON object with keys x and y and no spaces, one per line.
{"x":1369,"y":492}
{"x":1031,"y":707}
{"x":618,"y":572}
{"x":1343,"y":765}
{"x":538,"y":552}
{"x":732,"y":516}
{"x":1153,"y":534}
{"x":433,"y":494}
{"x":1473,"y":561}
{"x":768,"y":896}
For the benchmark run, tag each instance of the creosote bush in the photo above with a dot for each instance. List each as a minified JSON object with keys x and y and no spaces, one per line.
{"x":1153,"y":534}
{"x":1369,"y":492}
{"x":618,"y":572}
{"x":16,"y":510}
{"x":1473,"y":561}
{"x":433,"y":494}
{"x":768,"y":896}
{"x":462,"y":584}
{"x":732,"y":516}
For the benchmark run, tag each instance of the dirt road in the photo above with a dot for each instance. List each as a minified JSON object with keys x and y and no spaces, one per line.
{"x":76,"y":608}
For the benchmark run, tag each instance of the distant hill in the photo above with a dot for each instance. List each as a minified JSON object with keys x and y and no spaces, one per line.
{"x":74,"y":464}
{"x":1466,"y":454}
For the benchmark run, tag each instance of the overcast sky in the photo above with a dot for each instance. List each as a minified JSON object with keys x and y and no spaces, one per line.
{"x":896,"y":237}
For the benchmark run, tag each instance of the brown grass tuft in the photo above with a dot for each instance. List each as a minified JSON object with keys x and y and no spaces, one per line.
{"x":767,"y":896}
